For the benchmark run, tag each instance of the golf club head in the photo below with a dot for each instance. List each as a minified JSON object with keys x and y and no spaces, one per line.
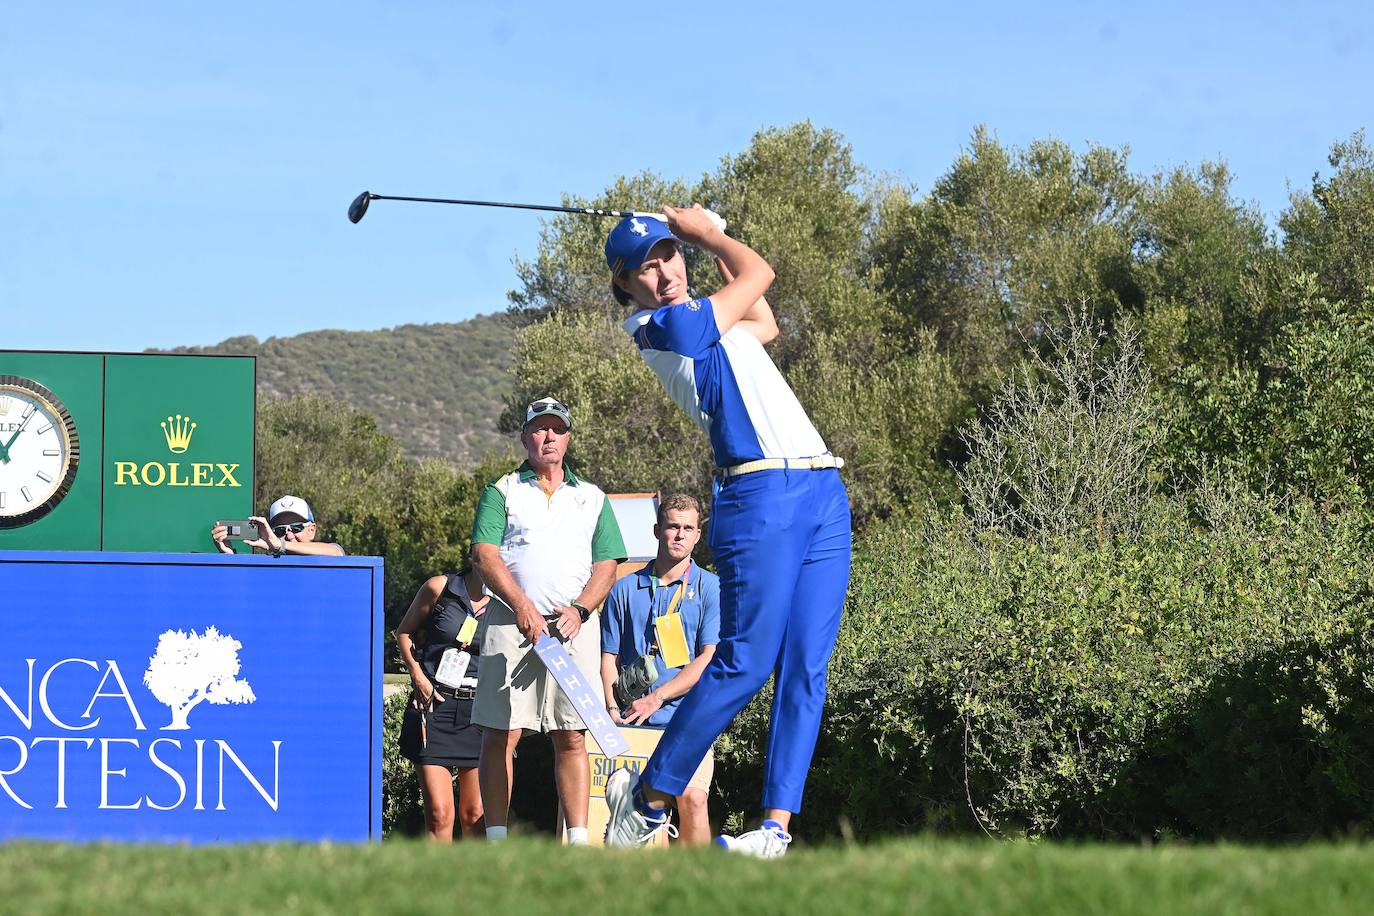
{"x":358,"y":209}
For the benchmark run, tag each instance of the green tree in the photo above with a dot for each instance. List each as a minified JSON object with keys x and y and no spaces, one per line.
{"x":1331,"y":232}
{"x":794,"y":195}
{"x":366,"y":495}
{"x":1297,"y":424}
{"x":1003,"y":242}
{"x":1205,"y":268}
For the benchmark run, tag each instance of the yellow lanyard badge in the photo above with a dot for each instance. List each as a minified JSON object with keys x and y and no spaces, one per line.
{"x":671,"y":635}
{"x":467,"y":630}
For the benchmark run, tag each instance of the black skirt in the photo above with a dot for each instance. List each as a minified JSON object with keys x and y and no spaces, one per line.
{"x":453,"y":741}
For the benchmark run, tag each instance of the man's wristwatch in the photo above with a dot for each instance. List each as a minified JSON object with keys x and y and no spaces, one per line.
{"x":586,"y":614}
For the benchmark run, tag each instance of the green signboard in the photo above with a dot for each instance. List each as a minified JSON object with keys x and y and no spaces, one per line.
{"x":75,"y":381}
{"x":136,"y":452}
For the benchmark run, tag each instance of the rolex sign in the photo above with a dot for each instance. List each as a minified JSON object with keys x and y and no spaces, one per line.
{"x":128,"y":452}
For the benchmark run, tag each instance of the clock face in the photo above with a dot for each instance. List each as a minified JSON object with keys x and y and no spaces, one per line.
{"x":38,"y":451}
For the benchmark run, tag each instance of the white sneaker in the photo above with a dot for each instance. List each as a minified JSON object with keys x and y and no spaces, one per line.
{"x":768,"y":842}
{"x":626,"y":827}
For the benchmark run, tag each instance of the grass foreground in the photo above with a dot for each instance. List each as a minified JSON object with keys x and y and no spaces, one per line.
{"x":921,"y":876}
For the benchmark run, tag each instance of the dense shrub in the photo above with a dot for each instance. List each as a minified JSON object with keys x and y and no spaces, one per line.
{"x":1204,"y":684}
{"x":1300,"y":420}
{"x":1062,"y":449}
{"x":368,"y":497}
{"x":402,"y":811}
{"x":1193,"y":683}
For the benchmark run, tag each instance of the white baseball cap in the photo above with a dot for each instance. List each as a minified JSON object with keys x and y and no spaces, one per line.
{"x":293,"y":505}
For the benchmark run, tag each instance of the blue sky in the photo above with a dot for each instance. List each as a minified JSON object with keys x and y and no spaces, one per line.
{"x":175,"y":173}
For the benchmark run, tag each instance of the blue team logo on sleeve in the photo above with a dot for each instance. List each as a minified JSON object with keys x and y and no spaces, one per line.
{"x":686,"y":329}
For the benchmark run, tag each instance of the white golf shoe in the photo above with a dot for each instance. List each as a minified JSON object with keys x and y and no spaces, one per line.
{"x":768,"y":842}
{"x":627,"y":828}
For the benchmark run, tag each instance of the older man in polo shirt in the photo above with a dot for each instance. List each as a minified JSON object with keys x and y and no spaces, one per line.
{"x":547,"y":545}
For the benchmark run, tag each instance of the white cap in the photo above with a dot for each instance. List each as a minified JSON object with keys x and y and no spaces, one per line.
{"x":292,"y":504}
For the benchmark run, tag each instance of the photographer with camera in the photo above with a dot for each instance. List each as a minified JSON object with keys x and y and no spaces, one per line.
{"x":659,"y":629}
{"x":288,"y":528}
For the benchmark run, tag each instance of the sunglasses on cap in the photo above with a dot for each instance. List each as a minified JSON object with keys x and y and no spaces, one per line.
{"x":294,"y":528}
{"x":543,"y":407}
{"x":548,"y":408}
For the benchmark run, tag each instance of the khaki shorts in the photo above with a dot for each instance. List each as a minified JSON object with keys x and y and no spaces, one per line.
{"x":515,"y":690}
{"x":701,"y":779}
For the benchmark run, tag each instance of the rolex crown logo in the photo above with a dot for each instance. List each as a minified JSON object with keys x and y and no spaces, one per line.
{"x":178,"y":431}
{"x":5,"y":404}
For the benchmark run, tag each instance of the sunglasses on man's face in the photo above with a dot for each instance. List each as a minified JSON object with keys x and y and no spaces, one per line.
{"x":294,"y":528}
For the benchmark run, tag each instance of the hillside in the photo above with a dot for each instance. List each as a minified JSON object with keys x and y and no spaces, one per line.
{"x":438,"y":388}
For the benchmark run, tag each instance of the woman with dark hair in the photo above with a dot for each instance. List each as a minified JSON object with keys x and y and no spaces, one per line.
{"x":437,"y":733}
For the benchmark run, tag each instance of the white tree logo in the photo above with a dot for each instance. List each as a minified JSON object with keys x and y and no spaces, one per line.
{"x":188,"y":669}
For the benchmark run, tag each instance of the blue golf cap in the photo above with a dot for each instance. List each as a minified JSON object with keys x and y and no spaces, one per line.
{"x":629,"y":242}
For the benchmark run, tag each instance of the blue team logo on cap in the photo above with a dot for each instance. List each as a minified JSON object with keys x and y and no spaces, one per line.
{"x":631,"y":240}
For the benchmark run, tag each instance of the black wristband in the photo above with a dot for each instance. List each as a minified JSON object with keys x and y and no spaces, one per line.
{"x":586,"y":614}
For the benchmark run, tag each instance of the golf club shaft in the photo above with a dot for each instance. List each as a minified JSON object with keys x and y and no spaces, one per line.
{"x":588,"y":211}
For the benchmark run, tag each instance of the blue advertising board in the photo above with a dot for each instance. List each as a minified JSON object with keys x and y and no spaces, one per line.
{"x":175,"y":697}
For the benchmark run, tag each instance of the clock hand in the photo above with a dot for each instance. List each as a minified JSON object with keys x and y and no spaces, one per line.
{"x":16,"y":435}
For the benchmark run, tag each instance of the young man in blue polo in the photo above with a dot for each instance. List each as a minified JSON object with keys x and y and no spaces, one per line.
{"x":659,"y":629}
{"x":780,"y":527}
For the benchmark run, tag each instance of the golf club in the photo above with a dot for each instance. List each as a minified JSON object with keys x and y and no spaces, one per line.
{"x":358,"y":209}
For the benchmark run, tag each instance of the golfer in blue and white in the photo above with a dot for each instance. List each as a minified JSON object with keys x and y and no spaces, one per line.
{"x":780,"y":528}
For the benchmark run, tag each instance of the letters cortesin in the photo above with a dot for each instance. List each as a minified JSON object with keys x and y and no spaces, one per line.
{"x":167,"y":763}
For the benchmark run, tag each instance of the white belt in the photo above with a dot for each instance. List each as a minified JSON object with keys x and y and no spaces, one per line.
{"x":815,"y":463}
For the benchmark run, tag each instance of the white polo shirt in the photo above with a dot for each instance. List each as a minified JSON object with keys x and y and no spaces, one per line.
{"x":548,"y":541}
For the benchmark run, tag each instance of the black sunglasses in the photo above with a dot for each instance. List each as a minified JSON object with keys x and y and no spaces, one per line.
{"x":294,"y":528}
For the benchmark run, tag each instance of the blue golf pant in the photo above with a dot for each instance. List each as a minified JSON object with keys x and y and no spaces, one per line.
{"x":781,"y":541}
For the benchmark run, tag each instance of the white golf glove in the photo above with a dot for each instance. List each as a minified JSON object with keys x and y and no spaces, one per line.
{"x":712,"y":214}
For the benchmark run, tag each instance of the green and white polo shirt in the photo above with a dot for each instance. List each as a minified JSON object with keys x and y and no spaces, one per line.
{"x":548,"y":541}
